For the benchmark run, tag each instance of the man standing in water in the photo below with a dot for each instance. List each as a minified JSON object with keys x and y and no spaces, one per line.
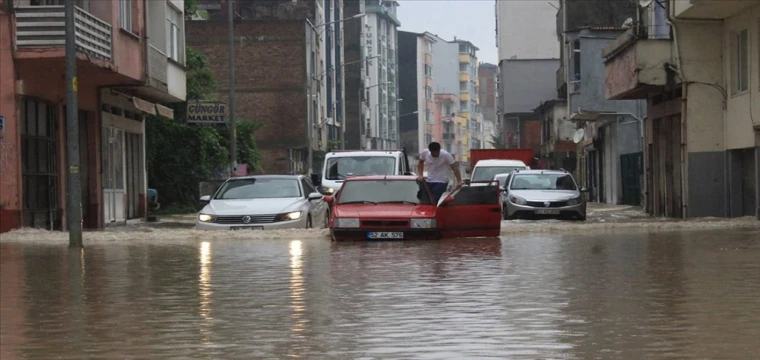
{"x":438,"y":163}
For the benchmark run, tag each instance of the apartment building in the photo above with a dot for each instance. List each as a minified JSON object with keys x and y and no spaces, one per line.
{"x":416,"y":85}
{"x":130,"y":57}
{"x":488,"y":95}
{"x":372,"y":85}
{"x":290,"y":74}
{"x":455,"y":70}
{"x":446,"y":129}
{"x":702,"y":132}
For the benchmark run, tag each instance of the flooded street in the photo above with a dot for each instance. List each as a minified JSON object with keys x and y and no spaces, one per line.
{"x":685,"y":295}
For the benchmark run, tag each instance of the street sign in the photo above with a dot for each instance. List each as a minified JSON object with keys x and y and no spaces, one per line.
{"x":207,"y":113}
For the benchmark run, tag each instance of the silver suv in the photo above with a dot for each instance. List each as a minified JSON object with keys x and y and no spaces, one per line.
{"x":542,"y":194}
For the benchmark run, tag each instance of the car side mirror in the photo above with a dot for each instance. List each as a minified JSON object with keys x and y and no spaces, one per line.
{"x":328,"y":199}
{"x":206,"y":198}
{"x":315,"y":196}
{"x":583,"y":189}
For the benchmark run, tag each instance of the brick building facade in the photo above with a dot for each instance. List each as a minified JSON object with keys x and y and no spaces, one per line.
{"x":271,"y":78}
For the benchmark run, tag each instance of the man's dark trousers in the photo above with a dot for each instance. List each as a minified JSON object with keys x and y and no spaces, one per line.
{"x":437,"y":188}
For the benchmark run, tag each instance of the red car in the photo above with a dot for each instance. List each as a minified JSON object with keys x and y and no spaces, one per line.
{"x":400,"y":207}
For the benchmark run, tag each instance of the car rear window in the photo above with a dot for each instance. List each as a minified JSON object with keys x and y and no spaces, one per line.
{"x":543,"y":182}
{"x":385,"y":191}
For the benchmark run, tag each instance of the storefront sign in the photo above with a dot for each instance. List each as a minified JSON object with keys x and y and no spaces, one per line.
{"x":207,"y":113}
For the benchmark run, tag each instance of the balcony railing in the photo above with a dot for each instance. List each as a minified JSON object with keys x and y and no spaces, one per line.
{"x":158,"y":68}
{"x":44,"y":26}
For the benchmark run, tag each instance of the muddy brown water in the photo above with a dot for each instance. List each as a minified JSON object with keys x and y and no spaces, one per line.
{"x":685,"y":295}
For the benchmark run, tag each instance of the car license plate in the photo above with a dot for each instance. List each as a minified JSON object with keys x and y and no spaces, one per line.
{"x":385,"y":235}
{"x":247,"y":228}
{"x":547,"y":212}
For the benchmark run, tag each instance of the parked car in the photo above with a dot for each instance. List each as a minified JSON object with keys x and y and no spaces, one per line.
{"x":263,"y":202}
{"x":502,"y":179}
{"x":400,"y":207}
{"x":544,"y":193}
{"x":485,"y":170}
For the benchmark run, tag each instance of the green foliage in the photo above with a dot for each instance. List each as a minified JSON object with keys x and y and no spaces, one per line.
{"x":498,"y":142}
{"x":180,"y":156}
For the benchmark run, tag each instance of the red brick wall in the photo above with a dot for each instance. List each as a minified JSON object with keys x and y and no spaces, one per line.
{"x":531,"y":135}
{"x":270,"y":62}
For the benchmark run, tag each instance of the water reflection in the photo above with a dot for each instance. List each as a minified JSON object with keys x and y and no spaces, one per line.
{"x":297,"y":288}
{"x":550,"y":296}
{"x":205,"y":292}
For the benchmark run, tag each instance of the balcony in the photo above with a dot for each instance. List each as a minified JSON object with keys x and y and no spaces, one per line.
{"x":463,"y":76}
{"x":464,"y":58}
{"x":710,"y":9}
{"x":44,"y":27}
{"x":464,"y":96}
{"x":635,"y":64}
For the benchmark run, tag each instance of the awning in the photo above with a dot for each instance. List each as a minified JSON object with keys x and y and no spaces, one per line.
{"x":165,"y":111}
{"x":589,"y":115}
{"x":144,"y":106}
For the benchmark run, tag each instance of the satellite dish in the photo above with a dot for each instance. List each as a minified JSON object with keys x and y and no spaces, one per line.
{"x":645,"y":3}
{"x":578,"y":136}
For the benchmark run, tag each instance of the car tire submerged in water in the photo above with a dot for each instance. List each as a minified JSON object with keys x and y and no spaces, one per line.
{"x":326,"y":223}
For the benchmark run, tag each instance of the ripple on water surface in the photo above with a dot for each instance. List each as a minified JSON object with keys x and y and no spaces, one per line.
{"x":674,"y":295}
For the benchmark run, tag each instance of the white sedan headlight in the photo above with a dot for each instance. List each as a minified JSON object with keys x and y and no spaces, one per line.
{"x":347,"y":223}
{"x":423,"y":223}
{"x":517,"y":200}
{"x":294,"y":215}
{"x":206,"y":218}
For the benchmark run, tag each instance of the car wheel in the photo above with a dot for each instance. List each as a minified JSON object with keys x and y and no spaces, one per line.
{"x":308,"y":222}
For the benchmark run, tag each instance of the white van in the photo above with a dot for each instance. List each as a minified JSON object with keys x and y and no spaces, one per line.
{"x":485,"y":170}
{"x":340,"y":164}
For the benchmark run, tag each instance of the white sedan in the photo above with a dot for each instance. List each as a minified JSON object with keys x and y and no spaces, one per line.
{"x":263,"y":202}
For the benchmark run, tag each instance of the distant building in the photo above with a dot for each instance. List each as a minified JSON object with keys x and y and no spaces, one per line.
{"x":416,"y":85}
{"x":455,"y":70}
{"x":488,"y":95}
{"x":372,"y":114}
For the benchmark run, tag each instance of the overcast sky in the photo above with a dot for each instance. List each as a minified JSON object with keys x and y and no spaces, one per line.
{"x":472,"y":20}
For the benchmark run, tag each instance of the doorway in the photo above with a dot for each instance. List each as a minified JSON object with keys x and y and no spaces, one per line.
{"x":113,"y":174}
{"x":39,"y":165}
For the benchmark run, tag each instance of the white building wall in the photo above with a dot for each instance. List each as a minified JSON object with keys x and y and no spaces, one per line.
{"x":526,"y":29}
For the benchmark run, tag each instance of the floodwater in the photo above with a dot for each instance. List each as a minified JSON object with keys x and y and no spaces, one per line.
{"x":609,"y":295}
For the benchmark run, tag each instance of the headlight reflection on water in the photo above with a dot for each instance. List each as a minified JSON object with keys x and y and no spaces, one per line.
{"x":204,"y":290}
{"x":297,"y":287}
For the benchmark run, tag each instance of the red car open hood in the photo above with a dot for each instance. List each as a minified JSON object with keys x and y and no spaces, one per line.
{"x":384,"y":210}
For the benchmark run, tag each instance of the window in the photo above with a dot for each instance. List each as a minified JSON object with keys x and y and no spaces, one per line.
{"x":463,"y":106}
{"x":577,"y":60}
{"x":307,"y":188}
{"x":463,"y":48}
{"x":428,"y":70}
{"x":447,"y":110}
{"x":428,"y":116}
{"x":125,"y":15}
{"x":384,"y":191}
{"x":428,"y":92}
{"x":175,"y":42}
{"x":261,"y":188}
{"x":463,"y":86}
{"x":462,"y":67}
{"x":740,"y":62}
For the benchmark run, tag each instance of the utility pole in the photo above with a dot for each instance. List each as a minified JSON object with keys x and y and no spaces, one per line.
{"x":233,"y":121}
{"x":73,"y":185}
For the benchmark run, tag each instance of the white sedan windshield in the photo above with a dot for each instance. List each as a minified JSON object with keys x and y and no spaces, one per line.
{"x":259,"y":189}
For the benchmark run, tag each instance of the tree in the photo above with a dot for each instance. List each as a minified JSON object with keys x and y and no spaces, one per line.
{"x":498,"y":142}
{"x":179,"y":156}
